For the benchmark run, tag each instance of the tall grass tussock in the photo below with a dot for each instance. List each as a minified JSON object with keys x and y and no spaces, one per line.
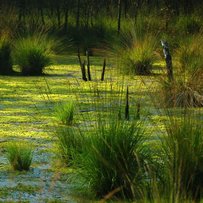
{"x":115,"y":160}
{"x":19,"y":155}
{"x":183,"y":152}
{"x":64,"y":112}
{"x":138,"y":52}
{"x":33,"y":53}
{"x":32,"y":56}
{"x":70,"y":143}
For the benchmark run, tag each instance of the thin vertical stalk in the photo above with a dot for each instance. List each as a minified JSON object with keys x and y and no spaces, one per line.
{"x":127,"y":116}
{"x":103,"y":70}
{"x":88,"y":66}
{"x":119,"y":16}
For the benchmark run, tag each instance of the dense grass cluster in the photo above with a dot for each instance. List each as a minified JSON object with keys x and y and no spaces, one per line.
{"x":183,"y":157}
{"x":19,"y":156}
{"x":115,"y":158}
{"x":64,"y":113}
{"x":139,"y":56}
{"x":119,"y":159}
{"x":70,"y":142}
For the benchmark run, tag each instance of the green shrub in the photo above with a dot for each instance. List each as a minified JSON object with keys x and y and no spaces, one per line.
{"x":19,"y":156}
{"x":70,"y":142}
{"x":115,"y":159}
{"x":183,"y":150}
{"x":32,"y":54}
{"x":5,"y":57}
{"x":65,"y":112}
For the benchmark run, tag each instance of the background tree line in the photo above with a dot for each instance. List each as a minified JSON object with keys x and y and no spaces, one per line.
{"x":85,"y":12}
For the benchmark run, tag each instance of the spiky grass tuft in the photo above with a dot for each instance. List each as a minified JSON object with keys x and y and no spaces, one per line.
{"x":115,"y":159}
{"x":70,"y":143}
{"x":19,"y":155}
{"x":183,"y":150}
{"x":138,"y":51}
{"x":32,"y":53}
{"x":64,"y":113}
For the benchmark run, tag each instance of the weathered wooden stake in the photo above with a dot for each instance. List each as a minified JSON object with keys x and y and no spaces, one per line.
{"x":82,"y":66}
{"x":127,"y":116}
{"x":79,"y":58}
{"x":168,"y":59}
{"x":88,"y":66}
{"x":83,"y":72}
{"x":103,"y":70}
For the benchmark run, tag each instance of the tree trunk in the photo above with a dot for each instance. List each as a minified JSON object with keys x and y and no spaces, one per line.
{"x":42,"y":15}
{"x":127,"y":113}
{"x":78,"y":14}
{"x":66,"y":20}
{"x":119,"y":16}
{"x":58,"y":13}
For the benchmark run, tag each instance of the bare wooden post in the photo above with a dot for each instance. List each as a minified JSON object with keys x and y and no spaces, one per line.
{"x":168,"y":59}
{"x":82,"y":66}
{"x":83,"y":72}
{"x":88,"y":66}
{"x":119,"y":16}
{"x":127,"y":116}
{"x":79,"y":58}
{"x":103,"y":70}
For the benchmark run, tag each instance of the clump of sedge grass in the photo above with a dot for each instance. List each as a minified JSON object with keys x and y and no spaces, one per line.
{"x":31,"y":57}
{"x":19,"y":155}
{"x":183,"y":151}
{"x":138,"y":55}
{"x":70,"y":142}
{"x":32,"y":53}
{"x":114,"y":160}
{"x":64,"y":112}
{"x":5,"y":57}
